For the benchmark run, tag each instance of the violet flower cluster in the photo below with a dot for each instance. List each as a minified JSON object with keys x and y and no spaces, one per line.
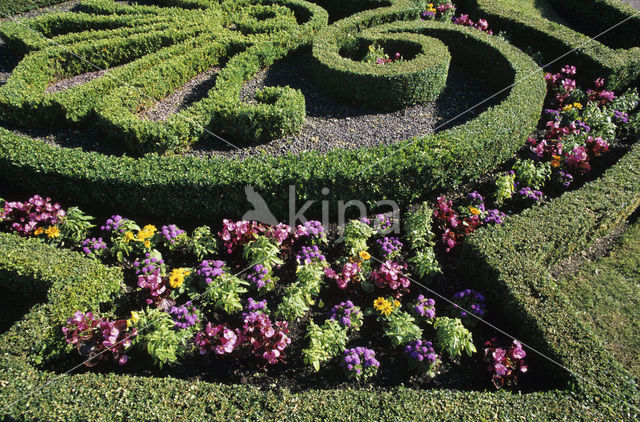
{"x":464,"y":20}
{"x":347,"y":314}
{"x":471,"y":301}
{"x":312,"y":230}
{"x":148,"y":265}
{"x":184,"y":316}
{"x":210,"y":269}
{"x":309,"y":255}
{"x":255,"y":306}
{"x":360,"y":363}
{"x":93,"y":247}
{"x":425,"y":308}
{"x":114,"y":224}
{"x":389,"y":246}
{"x":259,"y":276}
{"x":422,"y":357}
{"x":528,"y":193}
{"x":171,"y":233}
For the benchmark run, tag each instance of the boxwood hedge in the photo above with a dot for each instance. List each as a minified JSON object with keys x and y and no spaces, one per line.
{"x":615,"y":56}
{"x":187,"y":187}
{"x":338,"y":69}
{"x":509,"y":260}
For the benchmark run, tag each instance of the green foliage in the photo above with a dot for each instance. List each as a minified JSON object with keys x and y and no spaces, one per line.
{"x":505,"y":188}
{"x":299,"y":296}
{"x":75,"y":225}
{"x":202,"y":242}
{"x":453,"y":337}
{"x":10,"y":7}
{"x":262,"y":251}
{"x":355,"y":235}
{"x":418,"y":231}
{"x":325,"y":342}
{"x":530,"y":174}
{"x":400,"y":328}
{"x":158,"y":336}
{"x":224,"y":293}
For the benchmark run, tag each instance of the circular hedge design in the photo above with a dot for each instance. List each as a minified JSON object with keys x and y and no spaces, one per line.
{"x":182,"y":187}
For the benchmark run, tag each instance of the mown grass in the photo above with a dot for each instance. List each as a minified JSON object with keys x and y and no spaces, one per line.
{"x":607,"y":294}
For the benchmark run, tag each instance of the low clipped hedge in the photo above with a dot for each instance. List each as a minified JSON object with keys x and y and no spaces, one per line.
{"x":594,"y":59}
{"x":511,"y":261}
{"x":186,"y":188}
{"x":420,"y":78}
{"x":176,"y":45}
{"x":10,"y":7}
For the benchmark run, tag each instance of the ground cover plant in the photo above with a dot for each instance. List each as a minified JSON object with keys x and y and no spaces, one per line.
{"x":167,"y":304}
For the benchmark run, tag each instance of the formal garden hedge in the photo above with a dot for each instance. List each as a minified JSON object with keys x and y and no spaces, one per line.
{"x":511,"y":262}
{"x":618,"y":63}
{"x":169,"y":186}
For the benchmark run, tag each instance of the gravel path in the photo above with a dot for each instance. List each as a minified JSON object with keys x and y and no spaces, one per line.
{"x":194,"y":90}
{"x":331,"y":124}
{"x":634,"y":3}
{"x":75,"y":81}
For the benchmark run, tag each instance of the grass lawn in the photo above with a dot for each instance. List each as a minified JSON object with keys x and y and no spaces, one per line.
{"x":607,"y":292}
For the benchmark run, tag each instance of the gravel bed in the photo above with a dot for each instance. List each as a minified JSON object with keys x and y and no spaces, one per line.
{"x":194,"y":90}
{"x":331,"y":124}
{"x":75,"y":81}
{"x":634,"y":3}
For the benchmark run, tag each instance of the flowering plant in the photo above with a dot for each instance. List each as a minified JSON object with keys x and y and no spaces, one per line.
{"x":481,"y":25}
{"x":98,"y":338}
{"x":311,"y":230}
{"x":504,"y":364}
{"x":347,"y":314}
{"x":219,"y":339}
{"x":222,"y":289}
{"x":35,"y":216}
{"x":422,"y":357}
{"x":469,"y":301}
{"x":201,"y":243}
{"x":440,"y":10}
{"x":325,"y":342}
{"x":389,"y":247}
{"x":398,"y":326}
{"x":299,"y":296}
{"x":391,"y":274}
{"x":360,"y":363}
{"x":424,"y":309}
{"x":185,"y":316}
{"x":266,"y":340}
{"x":377,"y":55}
{"x":356,"y":234}
{"x":94,"y":247}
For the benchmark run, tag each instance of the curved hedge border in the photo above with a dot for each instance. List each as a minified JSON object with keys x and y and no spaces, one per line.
{"x":180,"y":188}
{"x":510,"y":260}
{"x":159,"y":61}
{"x":621,"y":68}
{"x":393,"y":85}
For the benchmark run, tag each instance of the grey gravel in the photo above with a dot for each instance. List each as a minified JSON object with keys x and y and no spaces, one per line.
{"x":75,"y":81}
{"x":634,"y":3}
{"x":194,"y":90}
{"x":332,"y":124}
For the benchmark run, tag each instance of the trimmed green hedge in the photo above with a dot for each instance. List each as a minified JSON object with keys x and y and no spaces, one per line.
{"x":176,"y":45}
{"x":181,"y":188}
{"x":621,"y":68}
{"x":337,"y":69}
{"x":11,"y":7}
{"x":510,"y":261}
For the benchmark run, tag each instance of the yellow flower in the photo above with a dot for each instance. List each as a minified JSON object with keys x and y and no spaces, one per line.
{"x":567,"y":107}
{"x":135,"y":317}
{"x":128,"y":236}
{"x":52,"y":232}
{"x":383,"y":305}
{"x":364,"y":255}
{"x":38,"y":231}
{"x":578,"y":106}
{"x":396,"y":303}
{"x":555,"y":162}
{"x":474,"y":211}
{"x":176,"y":278}
{"x":147,"y":244}
{"x":147,"y":231}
